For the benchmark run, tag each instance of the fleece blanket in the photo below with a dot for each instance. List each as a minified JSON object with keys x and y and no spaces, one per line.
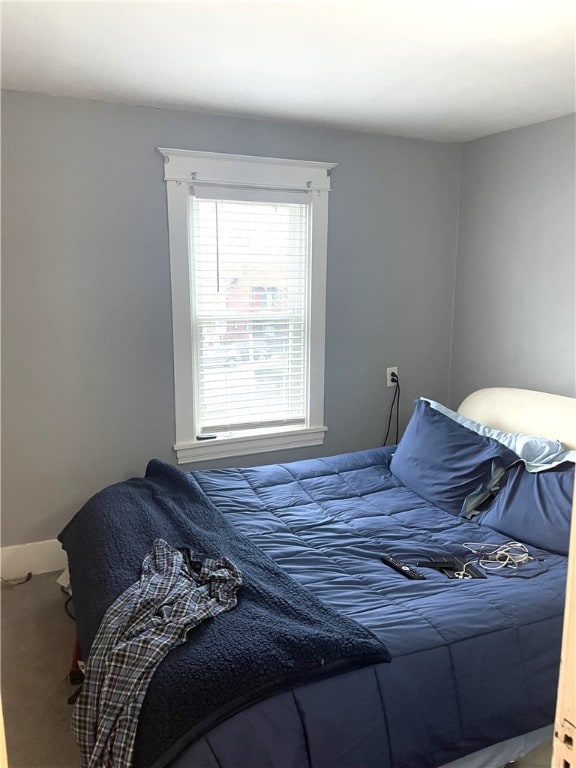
{"x":278,"y":635}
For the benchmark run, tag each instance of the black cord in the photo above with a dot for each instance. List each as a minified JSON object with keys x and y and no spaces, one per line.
{"x":390,"y":417}
{"x":397,"y":408}
{"x":67,"y":603}
{"x":68,"y":611}
{"x":395,"y":400}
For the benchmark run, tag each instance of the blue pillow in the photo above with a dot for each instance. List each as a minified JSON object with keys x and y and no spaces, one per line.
{"x":537,"y":453}
{"x":448,"y":464}
{"x":534,"y":508}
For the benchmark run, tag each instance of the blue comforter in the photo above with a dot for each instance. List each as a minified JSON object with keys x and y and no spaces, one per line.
{"x":473,"y":662}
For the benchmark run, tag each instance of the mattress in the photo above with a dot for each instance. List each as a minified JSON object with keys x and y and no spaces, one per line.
{"x":473,"y":662}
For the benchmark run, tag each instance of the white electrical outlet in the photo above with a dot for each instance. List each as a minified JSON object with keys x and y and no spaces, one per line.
{"x":389,"y":372}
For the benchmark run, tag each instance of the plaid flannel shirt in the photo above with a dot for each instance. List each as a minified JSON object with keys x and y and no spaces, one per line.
{"x":174,"y":595}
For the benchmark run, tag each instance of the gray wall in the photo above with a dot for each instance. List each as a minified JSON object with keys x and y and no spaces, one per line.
{"x":514,"y":318}
{"x":87,"y":347}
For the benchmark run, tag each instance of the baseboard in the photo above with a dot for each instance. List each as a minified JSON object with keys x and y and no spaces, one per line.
{"x":36,"y":557}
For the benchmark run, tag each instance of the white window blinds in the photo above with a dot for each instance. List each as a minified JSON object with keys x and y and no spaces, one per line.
{"x":250,"y":253}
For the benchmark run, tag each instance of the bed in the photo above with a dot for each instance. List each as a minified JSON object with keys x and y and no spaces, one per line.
{"x":440,"y":671}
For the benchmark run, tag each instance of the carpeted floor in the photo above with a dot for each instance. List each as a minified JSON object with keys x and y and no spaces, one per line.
{"x":37,"y":643}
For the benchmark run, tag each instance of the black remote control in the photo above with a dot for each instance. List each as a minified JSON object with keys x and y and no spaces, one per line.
{"x":402,"y":568}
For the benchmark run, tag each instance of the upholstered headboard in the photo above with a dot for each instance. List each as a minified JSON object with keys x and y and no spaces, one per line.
{"x":523,"y":410}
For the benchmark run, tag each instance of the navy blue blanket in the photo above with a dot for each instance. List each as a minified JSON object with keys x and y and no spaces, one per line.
{"x":279,"y":633}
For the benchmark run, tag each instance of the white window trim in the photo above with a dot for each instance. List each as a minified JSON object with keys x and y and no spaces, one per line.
{"x":183,"y":168}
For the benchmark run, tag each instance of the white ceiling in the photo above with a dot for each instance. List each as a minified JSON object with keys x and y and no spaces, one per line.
{"x":449,"y":70}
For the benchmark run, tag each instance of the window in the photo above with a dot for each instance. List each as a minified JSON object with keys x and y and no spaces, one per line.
{"x":248,"y":268}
